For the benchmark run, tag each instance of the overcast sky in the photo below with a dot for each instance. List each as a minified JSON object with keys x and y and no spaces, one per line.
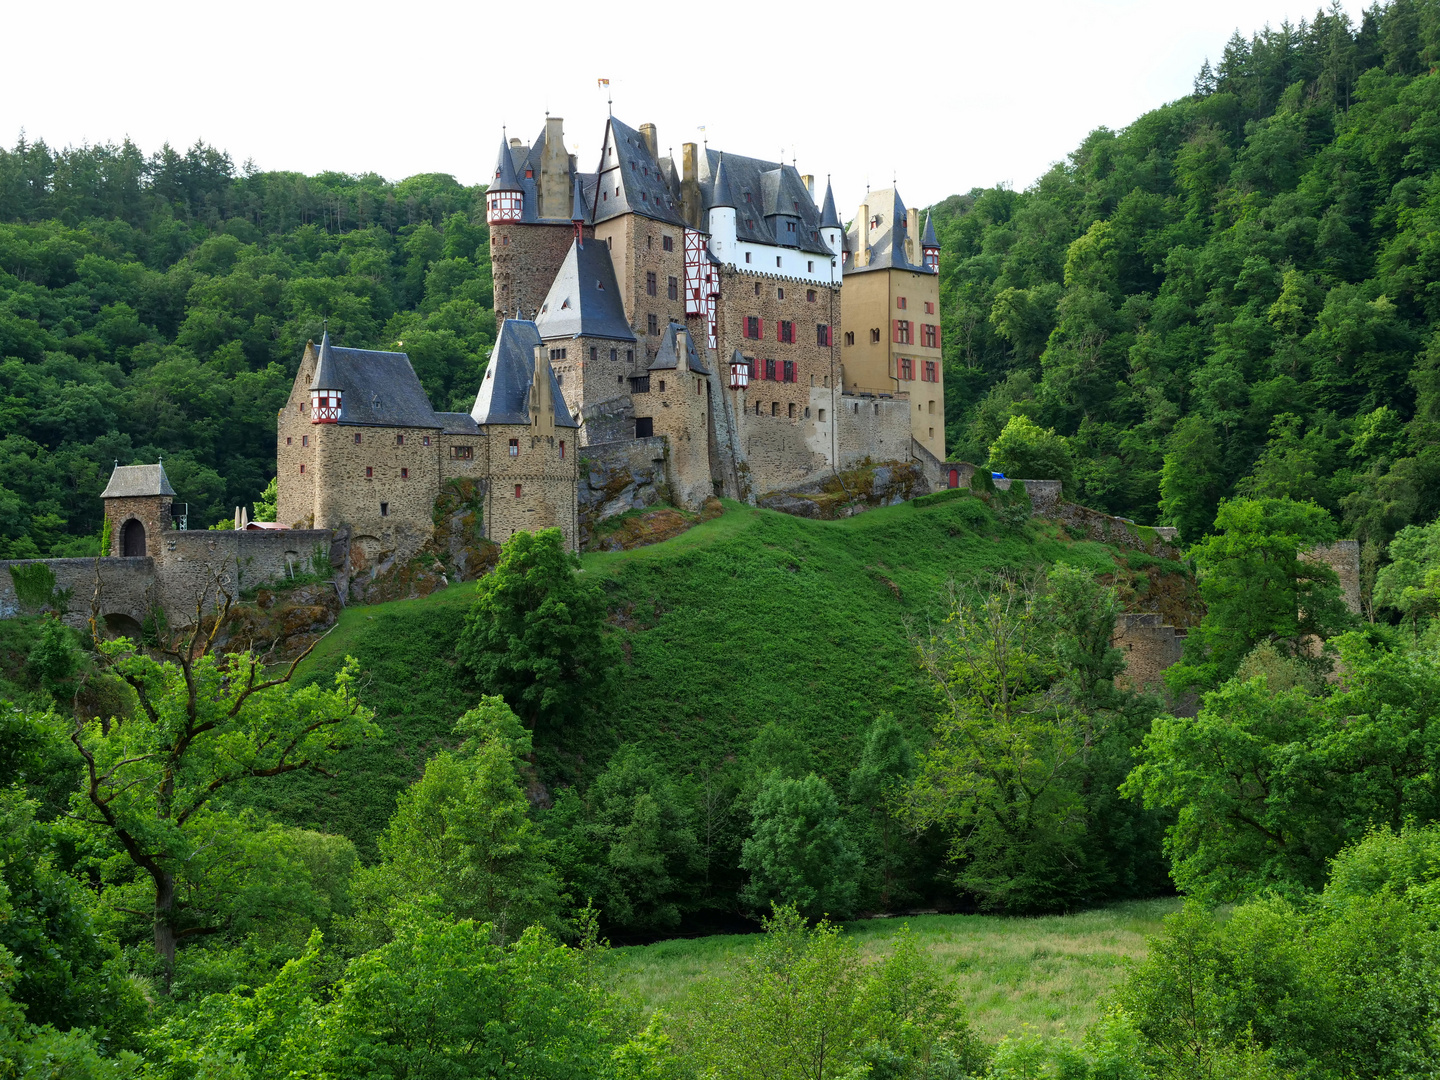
{"x":944,"y":96}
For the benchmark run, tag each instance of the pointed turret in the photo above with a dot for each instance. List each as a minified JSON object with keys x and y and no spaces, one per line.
{"x":829,"y":219}
{"x":325,"y":396}
{"x":930,"y":246}
{"x":504,"y":198}
{"x":720,"y":193}
{"x":577,"y":204}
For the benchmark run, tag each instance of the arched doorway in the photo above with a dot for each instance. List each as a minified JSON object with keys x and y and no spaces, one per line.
{"x":954,"y":478}
{"x":132,"y":538}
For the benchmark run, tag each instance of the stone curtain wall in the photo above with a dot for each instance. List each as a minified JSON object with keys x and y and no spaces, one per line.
{"x":243,"y":560}
{"x":1343,"y":557}
{"x":545,"y":478}
{"x":873,"y":428}
{"x":125,"y":588}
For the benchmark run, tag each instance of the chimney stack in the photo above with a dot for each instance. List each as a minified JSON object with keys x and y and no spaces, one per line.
{"x":862,"y":248}
{"x":652,"y":140}
{"x":912,"y":236}
{"x":809,"y":181}
{"x":690,"y":185}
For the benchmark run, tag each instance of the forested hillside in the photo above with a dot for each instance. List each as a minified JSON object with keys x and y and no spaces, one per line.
{"x":1235,"y":294}
{"x":158,"y":306}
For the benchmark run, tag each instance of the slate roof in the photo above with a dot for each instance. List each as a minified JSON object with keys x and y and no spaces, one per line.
{"x":887,"y":239}
{"x":829,"y":219}
{"x":326,"y":377}
{"x":376,"y":388}
{"x":927,"y":238}
{"x":584,"y":299}
{"x":458,"y":423}
{"x":633,"y":181}
{"x":720,"y":193}
{"x":504,"y":396}
{"x":131,"y":481}
{"x":668,"y":358}
{"x":767,"y":196}
{"x":523,"y":159}
{"x":505,"y":179}
{"x":577,"y":204}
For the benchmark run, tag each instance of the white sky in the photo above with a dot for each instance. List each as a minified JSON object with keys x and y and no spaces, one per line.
{"x":999,"y":90}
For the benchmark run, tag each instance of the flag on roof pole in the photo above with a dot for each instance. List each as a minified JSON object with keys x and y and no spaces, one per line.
{"x":602,"y":82}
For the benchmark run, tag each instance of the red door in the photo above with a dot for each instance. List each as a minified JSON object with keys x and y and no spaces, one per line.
{"x":954,"y":478}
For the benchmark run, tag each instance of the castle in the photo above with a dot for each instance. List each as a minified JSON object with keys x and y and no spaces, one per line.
{"x":711,"y":313}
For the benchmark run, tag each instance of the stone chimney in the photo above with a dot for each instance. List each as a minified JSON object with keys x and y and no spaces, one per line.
{"x":912,"y":236}
{"x":652,"y":140}
{"x":862,"y":246}
{"x":554,"y":180}
{"x":542,"y":405}
{"x":809,"y":181}
{"x":690,"y":185}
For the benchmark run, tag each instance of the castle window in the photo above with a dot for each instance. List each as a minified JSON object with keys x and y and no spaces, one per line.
{"x":529,"y":174}
{"x":649,"y":243}
{"x":462,"y":453}
{"x":932,"y":433}
{"x":779,"y":294}
{"x":644,"y":427}
{"x":849,"y":337}
{"x":357,"y":438}
{"x":425,"y":440}
{"x":594,"y":352}
{"x":605,"y":197}
{"x":875,"y":336}
{"x":614,"y":354}
{"x":770,"y":370}
{"x":931,"y":409}
{"x":931,"y":372}
{"x":906,"y":368}
{"x":662,"y":386}
{"x":504,"y":241}
{"x":792,"y":410}
{"x":900,"y":303}
{"x":288,"y":440}
{"x":674,"y":290}
{"x":810,"y":293}
{"x":757,"y":408}
{"x":650,"y":283}
{"x":821,"y":416}
{"x":747,"y":196}
{"x":404,"y":474}
{"x":789,"y":370}
{"x":652,"y":322}
{"x":789,"y":226}
{"x":875,"y":222}
{"x":302,"y":470}
{"x":514,"y":447}
{"x":747,"y":256}
{"x":777,"y":260}
{"x":810,"y":263}
{"x":902,"y":331}
{"x":369,"y":472}
{"x":562,"y":449}
{"x":629,"y":356}
{"x":399,"y":440}
{"x":929,"y":307}
{"x":304,"y":440}
{"x":667,"y":243}
{"x":517,"y":491}
{"x":785,"y":331}
{"x":929,"y":336}
{"x":822,"y":334}
{"x":644,"y":198}
{"x":757,"y":288}
{"x":557,"y":354}
{"x":774,"y":408}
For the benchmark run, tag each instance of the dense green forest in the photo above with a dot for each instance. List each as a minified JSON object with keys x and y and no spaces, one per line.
{"x":158,"y":306}
{"x":403,"y":856}
{"x":1234,"y":294}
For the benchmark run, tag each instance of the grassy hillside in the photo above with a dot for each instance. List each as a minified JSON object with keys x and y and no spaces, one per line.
{"x":750,"y":617}
{"x":1049,"y":973}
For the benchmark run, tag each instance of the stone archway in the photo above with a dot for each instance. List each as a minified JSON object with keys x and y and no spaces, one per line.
{"x":132,"y":538}
{"x":119,"y":624}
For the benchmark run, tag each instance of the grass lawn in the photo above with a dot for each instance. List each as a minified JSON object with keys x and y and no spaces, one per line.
{"x":749,"y":617}
{"x":1050,"y":973}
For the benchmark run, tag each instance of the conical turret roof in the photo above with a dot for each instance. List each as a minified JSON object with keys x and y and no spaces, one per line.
{"x":577,"y":204}
{"x":720,"y":195}
{"x":829,"y":219}
{"x":327,"y":372}
{"x":927,"y":238}
{"x":505,"y":179}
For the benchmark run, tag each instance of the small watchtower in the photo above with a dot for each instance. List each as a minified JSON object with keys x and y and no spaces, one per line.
{"x":138,"y":502}
{"x":326,"y":398}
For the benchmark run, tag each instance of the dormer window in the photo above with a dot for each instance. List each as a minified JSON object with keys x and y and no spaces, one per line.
{"x":875,"y":222}
{"x":747,"y":196}
{"x":529,"y":174}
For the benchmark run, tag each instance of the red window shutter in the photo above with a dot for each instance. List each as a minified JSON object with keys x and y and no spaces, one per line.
{"x":937,"y":335}
{"x":895,"y":330}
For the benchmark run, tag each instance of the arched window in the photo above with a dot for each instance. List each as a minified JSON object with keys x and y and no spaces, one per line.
{"x":132,"y":538}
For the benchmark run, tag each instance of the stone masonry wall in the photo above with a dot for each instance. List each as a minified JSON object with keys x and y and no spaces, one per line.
{"x":535,"y":488}
{"x":871,"y":427}
{"x":125,"y":588}
{"x":381,"y":481}
{"x":1343,"y":557}
{"x":188,"y":566}
{"x":678,"y":401}
{"x":777,"y":452}
{"x":152,"y":511}
{"x":524,"y":260}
